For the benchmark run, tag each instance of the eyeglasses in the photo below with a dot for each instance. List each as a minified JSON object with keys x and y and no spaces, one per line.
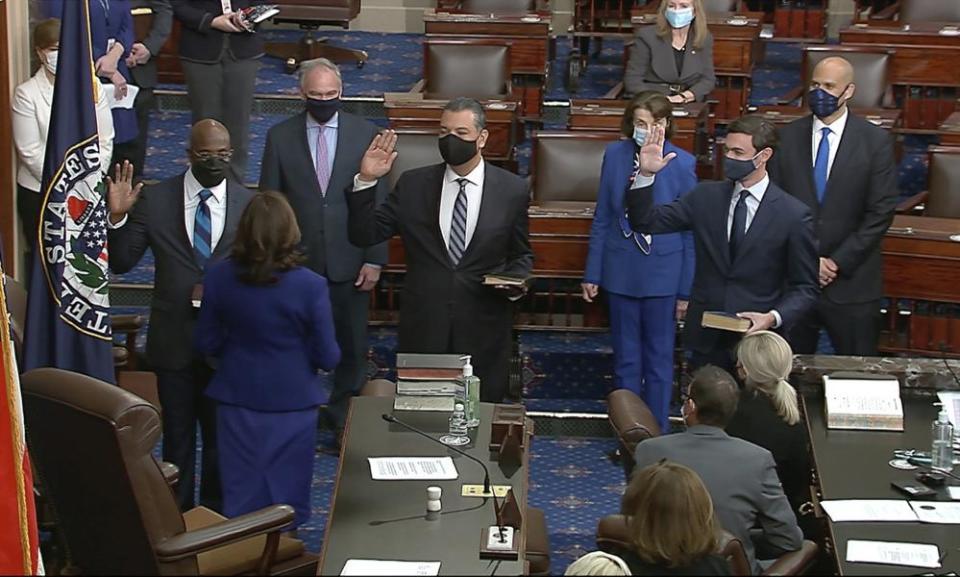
{"x":205,"y":156}
{"x":638,"y":238}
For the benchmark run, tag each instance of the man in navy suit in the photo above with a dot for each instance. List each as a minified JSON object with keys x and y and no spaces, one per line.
{"x":756,"y":255}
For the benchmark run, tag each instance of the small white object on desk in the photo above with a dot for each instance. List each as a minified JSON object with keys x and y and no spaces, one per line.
{"x":868,"y":510}
{"x":937,"y":512}
{"x":412,"y":468}
{"x":433,"y":499}
{"x":906,"y":554}
{"x":126,"y":102}
{"x":379,"y":567}
{"x":498,"y":542}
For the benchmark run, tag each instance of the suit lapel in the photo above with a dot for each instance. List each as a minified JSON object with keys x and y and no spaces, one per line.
{"x":842,"y":158}
{"x":340,"y":156}
{"x":231,"y":219}
{"x":301,"y":156}
{"x":761,"y":221}
{"x":179,"y":222}
{"x":435,"y":188}
{"x":686,"y":69}
{"x":804,"y":147}
{"x":721,"y":243}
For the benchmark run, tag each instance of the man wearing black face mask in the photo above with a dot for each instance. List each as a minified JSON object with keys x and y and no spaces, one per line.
{"x":459,"y":221}
{"x":756,"y":255}
{"x":843,"y":168}
{"x":311,"y":158}
{"x":206,"y":205}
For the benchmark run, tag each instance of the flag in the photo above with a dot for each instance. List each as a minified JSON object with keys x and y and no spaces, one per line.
{"x":68,"y":310}
{"x":19,"y":544}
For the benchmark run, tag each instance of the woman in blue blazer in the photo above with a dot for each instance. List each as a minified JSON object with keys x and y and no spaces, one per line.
{"x":643,"y":276}
{"x":267,"y":322}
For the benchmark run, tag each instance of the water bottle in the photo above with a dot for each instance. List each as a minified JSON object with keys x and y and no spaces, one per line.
{"x":457,"y":431}
{"x":941,"y":455}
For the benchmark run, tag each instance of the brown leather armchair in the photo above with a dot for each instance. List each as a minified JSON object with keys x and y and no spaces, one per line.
{"x":612,"y":534}
{"x":478,"y":68}
{"x":632,"y":422}
{"x":942,"y":197}
{"x":417,"y":147}
{"x":871,"y":67}
{"x":929,"y":11}
{"x":93,"y":446}
{"x":310,"y":15}
{"x":566,"y":168}
{"x":721,"y":5}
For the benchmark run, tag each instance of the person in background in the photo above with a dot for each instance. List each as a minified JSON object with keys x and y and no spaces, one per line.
{"x":768,"y":414}
{"x":31,"y":123}
{"x":267,"y":322}
{"x":643,"y":275}
{"x":598,"y":563}
{"x":671,"y":523}
{"x":142,"y":63}
{"x":675,"y":56}
{"x":220,"y":54}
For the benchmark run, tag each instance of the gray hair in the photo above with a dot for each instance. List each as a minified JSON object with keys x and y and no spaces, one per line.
{"x":307,"y":65}
{"x":598,"y":563}
{"x":463,"y":103}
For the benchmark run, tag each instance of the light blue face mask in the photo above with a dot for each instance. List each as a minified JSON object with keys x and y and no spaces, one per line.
{"x":678,"y":18}
{"x":639,"y":135}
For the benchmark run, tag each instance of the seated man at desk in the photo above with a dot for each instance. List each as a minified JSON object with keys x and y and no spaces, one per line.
{"x":675,"y":56}
{"x":746,"y":496}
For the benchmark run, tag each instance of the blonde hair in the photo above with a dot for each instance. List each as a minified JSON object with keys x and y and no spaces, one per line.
{"x":699,"y":24}
{"x":767,"y":359}
{"x":670,"y":515}
{"x":598,"y":563}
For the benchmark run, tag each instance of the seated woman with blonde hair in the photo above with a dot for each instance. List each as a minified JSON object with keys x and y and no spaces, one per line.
{"x":598,"y":563}
{"x":768,"y":414}
{"x":671,"y":523}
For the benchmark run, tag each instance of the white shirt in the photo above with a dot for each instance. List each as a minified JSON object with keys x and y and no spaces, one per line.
{"x":836,"y":133}
{"x":448,"y":198}
{"x":752,"y":201}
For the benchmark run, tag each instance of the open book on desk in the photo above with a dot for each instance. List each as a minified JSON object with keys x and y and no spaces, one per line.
{"x":863,"y":403}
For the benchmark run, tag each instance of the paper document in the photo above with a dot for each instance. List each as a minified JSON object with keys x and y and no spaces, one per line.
{"x":937,"y":512}
{"x":954,"y":493}
{"x":909,"y":554}
{"x":868,"y":510}
{"x":126,"y":101}
{"x":375,"y":567}
{"x":951,"y":402}
{"x":412,"y":468}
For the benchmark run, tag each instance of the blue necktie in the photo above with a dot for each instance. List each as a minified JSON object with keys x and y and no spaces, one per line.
{"x":739,"y":228}
{"x":820,"y":165}
{"x":201,"y":230}
{"x":458,"y":226}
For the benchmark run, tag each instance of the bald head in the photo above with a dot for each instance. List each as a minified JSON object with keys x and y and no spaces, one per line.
{"x":209,"y":136}
{"x":835,"y":68}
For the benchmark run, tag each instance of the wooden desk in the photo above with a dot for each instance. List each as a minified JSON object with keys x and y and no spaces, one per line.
{"x":924,"y":68}
{"x":950,"y":130}
{"x":530,"y":48}
{"x":886,"y":118}
{"x":386,"y":519}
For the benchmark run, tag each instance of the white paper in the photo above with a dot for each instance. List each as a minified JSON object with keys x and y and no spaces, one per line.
{"x":376,"y":567}
{"x":951,"y":402}
{"x":908,"y":554}
{"x":937,"y":512}
{"x":863,"y":397}
{"x":412,"y":468}
{"x":868,"y":510}
{"x":954,"y":492}
{"x":126,"y":101}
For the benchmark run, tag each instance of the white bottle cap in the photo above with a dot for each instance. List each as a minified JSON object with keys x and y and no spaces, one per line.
{"x":467,"y":367}
{"x":457,"y":407}
{"x":433,"y":493}
{"x":433,"y":505}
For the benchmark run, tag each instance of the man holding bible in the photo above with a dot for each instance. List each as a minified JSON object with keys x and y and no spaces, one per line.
{"x":756,"y":254}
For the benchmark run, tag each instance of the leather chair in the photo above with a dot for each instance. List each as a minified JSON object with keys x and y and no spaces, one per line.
{"x":929,"y":11}
{"x":93,"y":445}
{"x":632,"y":422}
{"x":310,"y":15}
{"x":871,"y":67}
{"x":721,"y":5}
{"x":566,"y":168}
{"x":942,"y":197}
{"x":417,"y":148}
{"x":497,"y":6}
{"x":612,"y":534}
{"x":478,"y":68}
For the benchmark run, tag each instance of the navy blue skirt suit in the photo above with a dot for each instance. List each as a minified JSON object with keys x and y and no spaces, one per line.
{"x":269,"y":341}
{"x":642,"y":280}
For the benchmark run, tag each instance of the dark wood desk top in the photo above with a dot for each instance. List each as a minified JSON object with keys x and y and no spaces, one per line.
{"x":854,"y":465}
{"x":531,"y":22}
{"x":721,"y":24}
{"x":387,"y":519}
{"x":883,"y":117}
{"x":924,"y":227}
{"x":927,"y":33}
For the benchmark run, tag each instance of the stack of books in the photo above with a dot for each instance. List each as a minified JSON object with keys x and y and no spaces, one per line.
{"x":428,"y":382}
{"x":863,"y":403}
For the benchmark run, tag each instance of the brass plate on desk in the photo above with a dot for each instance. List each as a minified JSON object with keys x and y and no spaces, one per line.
{"x":477,"y":491}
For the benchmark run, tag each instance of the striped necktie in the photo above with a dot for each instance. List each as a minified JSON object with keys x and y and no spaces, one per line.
{"x":458,"y":225}
{"x":202,"y":242}
{"x":323,"y":161}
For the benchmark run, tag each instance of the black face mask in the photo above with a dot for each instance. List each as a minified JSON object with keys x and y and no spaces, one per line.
{"x":456,"y":151}
{"x":210,"y":172}
{"x":323,"y":110}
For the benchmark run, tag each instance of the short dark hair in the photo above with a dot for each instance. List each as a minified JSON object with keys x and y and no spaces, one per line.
{"x":267,"y":239}
{"x":715,"y":394}
{"x":463,"y":103}
{"x":653,"y":102}
{"x":762,"y":132}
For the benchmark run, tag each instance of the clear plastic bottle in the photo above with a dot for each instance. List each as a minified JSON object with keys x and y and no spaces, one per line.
{"x":457,"y":431}
{"x":941,"y":454}
{"x":471,"y":392}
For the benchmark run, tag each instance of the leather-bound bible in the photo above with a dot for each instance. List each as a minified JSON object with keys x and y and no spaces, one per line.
{"x":725,"y":322}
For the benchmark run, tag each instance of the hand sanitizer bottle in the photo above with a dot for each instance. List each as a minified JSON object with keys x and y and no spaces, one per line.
{"x":941,"y":454}
{"x":471,"y":391}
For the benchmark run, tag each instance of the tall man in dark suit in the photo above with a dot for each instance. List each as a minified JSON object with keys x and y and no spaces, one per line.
{"x":312,"y":158}
{"x":459,"y":221}
{"x":756,"y":255}
{"x":843,"y":168}
{"x":143,"y":67}
{"x":188,"y":222}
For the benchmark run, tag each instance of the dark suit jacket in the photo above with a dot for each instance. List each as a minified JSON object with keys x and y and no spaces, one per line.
{"x":201,"y":43}
{"x":145,"y":75}
{"x":157,"y":222}
{"x":776,"y":267}
{"x":288,"y":168}
{"x":439,"y":298}
{"x":652,"y":65}
{"x":858,"y":204}
{"x":742,"y":480}
{"x":269,"y":339}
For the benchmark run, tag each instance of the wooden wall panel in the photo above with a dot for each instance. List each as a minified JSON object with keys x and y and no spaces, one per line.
{"x":7,"y":186}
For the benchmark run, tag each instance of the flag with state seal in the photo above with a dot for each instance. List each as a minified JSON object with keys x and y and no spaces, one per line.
{"x":68,"y":309}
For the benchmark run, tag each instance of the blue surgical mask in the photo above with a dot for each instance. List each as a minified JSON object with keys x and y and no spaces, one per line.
{"x":639,"y":135}
{"x":822,"y":103}
{"x":679,"y":17}
{"x":736,"y":170}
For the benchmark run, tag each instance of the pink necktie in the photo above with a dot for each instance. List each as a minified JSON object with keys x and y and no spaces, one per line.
{"x":323,"y":167}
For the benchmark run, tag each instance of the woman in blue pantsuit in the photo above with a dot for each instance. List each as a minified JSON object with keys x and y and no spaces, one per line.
{"x":643,"y":275}
{"x":267,"y":323}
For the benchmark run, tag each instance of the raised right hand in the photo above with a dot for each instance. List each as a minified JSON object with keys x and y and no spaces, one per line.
{"x":225,"y":23}
{"x":590,"y":291}
{"x":652,"y":159}
{"x":378,"y":160}
{"x":121,"y":192}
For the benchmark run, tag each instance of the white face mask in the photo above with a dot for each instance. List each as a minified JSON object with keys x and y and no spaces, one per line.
{"x":50,"y":61}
